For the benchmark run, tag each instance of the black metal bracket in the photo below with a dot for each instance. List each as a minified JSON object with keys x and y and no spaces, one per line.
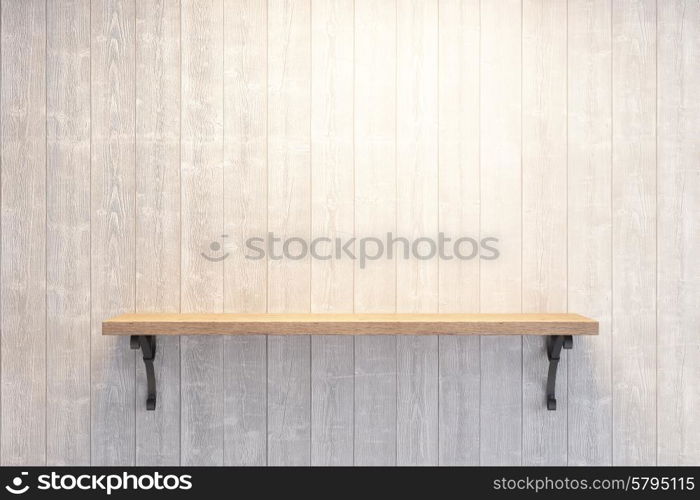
{"x":147,"y":343}
{"x":555,"y":343}
{"x":554,"y":346}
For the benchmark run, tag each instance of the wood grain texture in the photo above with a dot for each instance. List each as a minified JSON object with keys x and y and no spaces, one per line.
{"x":68,"y":232}
{"x":460,"y":386}
{"x":357,"y":324}
{"x":289,"y":400}
{"x":92,"y":205}
{"x":332,"y":404}
{"x":332,"y":174}
{"x":332,"y":216}
{"x":158,"y":217}
{"x":289,"y":152}
{"x":589,"y":212}
{"x":417,"y":217}
{"x":23,"y":116}
{"x":416,"y":150}
{"x":678,"y":354}
{"x":202,"y":155}
{"x":458,"y":176}
{"x":544,"y":215}
{"x":417,"y":400}
{"x":634,"y":231}
{"x":245,"y":404}
{"x":375,"y":215}
{"x":375,"y":149}
{"x":500,"y":279}
{"x":375,"y":401}
{"x":245,"y":212}
{"x":289,"y":216}
{"x":112,"y":221}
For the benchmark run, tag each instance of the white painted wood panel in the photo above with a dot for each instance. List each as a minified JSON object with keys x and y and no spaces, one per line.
{"x":289,"y":216}
{"x":68,"y":232}
{"x":158,"y":219}
{"x":458,"y":197}
{"x":589,"y":223}
{"x":678,"y":212}
{"x":417,"y":218}
{"x":500,"y":279}
{"x":23,"y":244}
{"x":332,"y":216}
{"x":112,"y":219}
{"x":375,"y":216}
{"x":202,"y":192}
{"x":544,"y":219}
{"x":136,"y":134}
{"x":245,"y":212}
{"x":634,"y":231}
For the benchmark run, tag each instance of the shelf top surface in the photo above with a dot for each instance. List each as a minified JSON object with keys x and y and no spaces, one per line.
{"x":350,"y":324}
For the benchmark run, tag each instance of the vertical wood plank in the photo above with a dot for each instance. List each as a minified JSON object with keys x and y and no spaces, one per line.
{"x":332,"y":203}
{"x":68,"y":232}
{"x":417,"y":217}
{"x":332,"y":385}
{"x":289,"y":184}
{"x":23,"y":109}
{"x":201,"y":361}
{"x":544,"y":219}
{"x":112,"y":222}
{"x":589,"y":222}
{"x":634,"y":231}
{"x":375,"y":400}
{"x":289,"y":400}
{"x":245,"y":212}
{"x":375,"y":216}
{"x":158,"y":218}
{"x":500,"y":279}
{"x":678,"y":272}
{"x":417,"y":400}
{"x":458,"y":149}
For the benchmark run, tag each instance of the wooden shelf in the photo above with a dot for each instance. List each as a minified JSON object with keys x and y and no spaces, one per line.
{"x":350,"y":324}
{"x":559,"y":330}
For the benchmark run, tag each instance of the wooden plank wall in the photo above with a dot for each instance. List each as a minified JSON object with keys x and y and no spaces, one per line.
{"x":137,"y":136}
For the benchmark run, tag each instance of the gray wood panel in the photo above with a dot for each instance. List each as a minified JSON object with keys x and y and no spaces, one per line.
{"x":678,"y":122}
{"x":245,"y":213}
{"x":288,"y":400}
{"x":332,"y":403}
{"x":501,"y":190}
{"x":158,"y":219}
{"x":202,"y":215}
{"x":23,"y":243}
{"x":544,"y":214}
{"x":112,"y":222}
{"x":417,"y":400}
{"x":68,"y":232}
{"x":634,"y":231}
{"x":375,"y":400}
{"x":589,"y":244}
{"x":245,"y":404}
{"x":460,"y":387}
